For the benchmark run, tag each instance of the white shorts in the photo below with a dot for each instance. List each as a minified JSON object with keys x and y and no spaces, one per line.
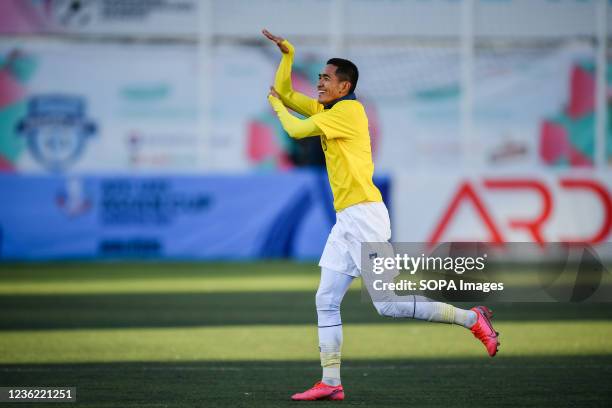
{"x":365,"y":222}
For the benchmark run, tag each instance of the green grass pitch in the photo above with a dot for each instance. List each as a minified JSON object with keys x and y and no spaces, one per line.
{"x":244,"y":334}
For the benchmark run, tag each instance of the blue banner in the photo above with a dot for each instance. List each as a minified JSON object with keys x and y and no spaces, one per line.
{"x":165,"y":217}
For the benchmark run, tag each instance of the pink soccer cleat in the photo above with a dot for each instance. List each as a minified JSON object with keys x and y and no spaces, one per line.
{"x":320,"y":391}
{"x":483,"y":329}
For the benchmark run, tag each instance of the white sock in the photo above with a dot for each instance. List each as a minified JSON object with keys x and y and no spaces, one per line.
{"x":330,"y":342}
{"x":465,"y":318}
{"x":445,"y":313}
{"x":330,"y":361}
{"x":331,"y":376}
{"x":331,"y":290}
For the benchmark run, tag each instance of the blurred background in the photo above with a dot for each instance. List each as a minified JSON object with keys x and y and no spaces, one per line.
{"x":159,"y":232}
{"x":141,"y":128}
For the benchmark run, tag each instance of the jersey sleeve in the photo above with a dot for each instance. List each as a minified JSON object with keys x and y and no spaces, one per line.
{"x":296,"y":128}
{"x":336,"y":122}
{"x":296,"y":101}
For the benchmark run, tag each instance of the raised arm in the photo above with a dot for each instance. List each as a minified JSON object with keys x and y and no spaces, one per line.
{"x":295,"y":127}
{"x":296,"y":101}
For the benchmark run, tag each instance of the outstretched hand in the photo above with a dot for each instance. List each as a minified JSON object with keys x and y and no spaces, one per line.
{"x":277,"y":40}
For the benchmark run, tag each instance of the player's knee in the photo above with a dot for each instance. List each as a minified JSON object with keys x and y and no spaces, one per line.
{"x":326,"y":303}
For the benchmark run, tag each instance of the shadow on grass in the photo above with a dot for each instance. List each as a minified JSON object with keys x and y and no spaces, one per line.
{"x":39,"y":312}
{"x":507,"y":382}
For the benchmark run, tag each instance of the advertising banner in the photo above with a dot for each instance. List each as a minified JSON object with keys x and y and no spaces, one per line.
{"x":500,"y":208}
{"x":167,"y":217}
{"x":220,"y":217}
{"x":67,"y":107}
{"x":83,"y":108}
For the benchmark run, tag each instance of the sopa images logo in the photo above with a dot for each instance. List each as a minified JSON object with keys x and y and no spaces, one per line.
{"x":56,"y":129}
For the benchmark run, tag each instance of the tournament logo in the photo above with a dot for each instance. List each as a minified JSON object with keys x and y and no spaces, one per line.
{"x":56,"y":129}
{"x":74,"y":198}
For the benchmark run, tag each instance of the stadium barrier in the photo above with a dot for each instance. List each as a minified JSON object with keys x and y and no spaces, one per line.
{"x":213,"y":217}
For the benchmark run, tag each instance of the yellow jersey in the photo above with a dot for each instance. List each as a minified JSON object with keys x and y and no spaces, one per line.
{"x":344,"y":133}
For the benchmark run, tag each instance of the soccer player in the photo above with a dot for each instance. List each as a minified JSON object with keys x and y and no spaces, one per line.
{"x":339,"y":119}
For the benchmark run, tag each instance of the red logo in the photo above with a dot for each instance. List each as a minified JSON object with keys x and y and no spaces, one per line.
{"x":533,"y":226}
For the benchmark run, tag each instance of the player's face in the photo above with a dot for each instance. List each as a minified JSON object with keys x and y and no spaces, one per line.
{"x":330,"y":87}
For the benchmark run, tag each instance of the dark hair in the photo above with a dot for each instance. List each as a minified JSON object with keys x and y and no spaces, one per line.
{"x":346,"y":71}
